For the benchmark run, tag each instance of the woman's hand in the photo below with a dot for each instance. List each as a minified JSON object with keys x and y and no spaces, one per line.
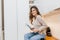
{"x":35,"y":30}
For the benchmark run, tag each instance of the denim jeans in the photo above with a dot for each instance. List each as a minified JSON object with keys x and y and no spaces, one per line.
{"x":33,"y":36}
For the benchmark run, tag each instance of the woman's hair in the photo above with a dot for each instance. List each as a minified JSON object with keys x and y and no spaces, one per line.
{"x":30,"y":14}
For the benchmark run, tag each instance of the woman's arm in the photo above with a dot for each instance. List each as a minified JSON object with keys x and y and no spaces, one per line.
{"x":33,"y":29}
{"x":43,"y":24}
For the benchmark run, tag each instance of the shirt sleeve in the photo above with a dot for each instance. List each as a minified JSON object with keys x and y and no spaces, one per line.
{"x":43,"y":24}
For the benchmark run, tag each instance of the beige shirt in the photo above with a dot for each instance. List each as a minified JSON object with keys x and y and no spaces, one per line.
{"x":39,"y":23}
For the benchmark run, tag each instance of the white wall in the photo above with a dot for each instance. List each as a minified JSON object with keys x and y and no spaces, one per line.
{"x":47,"y":5}
{"x":15,"y":15}
{"x":10,"y":20}
{"x":22,"y":10}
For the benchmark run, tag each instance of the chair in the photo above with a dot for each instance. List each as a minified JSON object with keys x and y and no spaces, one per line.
{"x":49,"y":35}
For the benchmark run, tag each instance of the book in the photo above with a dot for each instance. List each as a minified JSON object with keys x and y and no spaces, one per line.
{"x":29,"y":26}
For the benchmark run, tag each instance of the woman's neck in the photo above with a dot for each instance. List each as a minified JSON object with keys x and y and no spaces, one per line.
{"x":36,"y":15}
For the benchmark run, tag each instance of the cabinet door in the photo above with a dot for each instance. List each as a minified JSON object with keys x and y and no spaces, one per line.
{"x":1,"y":20}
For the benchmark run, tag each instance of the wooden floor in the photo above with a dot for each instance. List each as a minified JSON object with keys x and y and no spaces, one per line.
{"x":50,"y":38}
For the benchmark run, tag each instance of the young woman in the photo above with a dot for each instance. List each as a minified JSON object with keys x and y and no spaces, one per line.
{"x":39,"y":25}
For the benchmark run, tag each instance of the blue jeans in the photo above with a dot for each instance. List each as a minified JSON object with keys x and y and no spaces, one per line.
{"x":33,"y":36}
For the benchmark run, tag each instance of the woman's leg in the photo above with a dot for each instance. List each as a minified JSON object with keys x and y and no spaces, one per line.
{"x":28,"y":36}
{"x":37,"y":37}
